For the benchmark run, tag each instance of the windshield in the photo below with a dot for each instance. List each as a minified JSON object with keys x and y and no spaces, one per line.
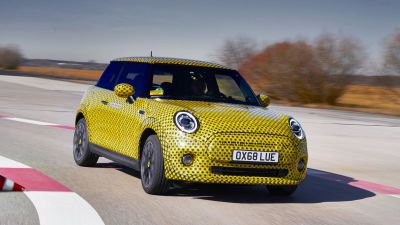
{"x":200,"y":84}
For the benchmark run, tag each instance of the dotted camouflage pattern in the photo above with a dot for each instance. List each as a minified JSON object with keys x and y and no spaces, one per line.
{"x":223,"y":128}
{"x":124,"y":90}
{"x":164,"y":60}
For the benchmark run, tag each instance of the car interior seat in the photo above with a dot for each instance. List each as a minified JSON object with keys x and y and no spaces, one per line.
{"x":167,"y":88}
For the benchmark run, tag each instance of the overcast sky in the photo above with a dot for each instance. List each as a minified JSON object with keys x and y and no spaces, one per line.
{"x":101,"y":30}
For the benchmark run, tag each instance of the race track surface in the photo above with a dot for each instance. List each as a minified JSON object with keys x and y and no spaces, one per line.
{"x":353,"y":173}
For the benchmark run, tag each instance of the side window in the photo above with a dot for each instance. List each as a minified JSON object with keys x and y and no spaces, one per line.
{"x":109,"y":76}
{"x":162,"y":83}
{"x":135,"y":74}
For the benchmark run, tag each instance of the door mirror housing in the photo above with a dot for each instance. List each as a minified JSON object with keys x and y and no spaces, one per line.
{"x":264,"y":100}
{"x":124,"y":90}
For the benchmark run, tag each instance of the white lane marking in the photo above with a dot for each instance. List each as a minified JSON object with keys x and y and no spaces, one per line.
{"x":57,"y":207}
{"x":9,"y":163}
{"x":396,"y":196}
{"x":36,"y":122}
{"x":63,"y":208}
{"x":30,"y":121}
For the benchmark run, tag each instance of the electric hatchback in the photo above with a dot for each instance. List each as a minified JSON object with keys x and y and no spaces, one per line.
{"x":187,"y":120}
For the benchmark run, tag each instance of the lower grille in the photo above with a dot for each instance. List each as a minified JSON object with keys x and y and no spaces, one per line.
{"x":232,"y":171}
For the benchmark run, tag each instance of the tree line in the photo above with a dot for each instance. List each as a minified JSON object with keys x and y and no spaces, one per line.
{"x":300,"y":71}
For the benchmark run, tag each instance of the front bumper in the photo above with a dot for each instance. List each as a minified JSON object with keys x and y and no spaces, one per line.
{"x":212,"y":160}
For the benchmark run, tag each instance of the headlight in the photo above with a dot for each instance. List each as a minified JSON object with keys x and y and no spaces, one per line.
{"x":186,"y":122}
{"x":296,"y":128}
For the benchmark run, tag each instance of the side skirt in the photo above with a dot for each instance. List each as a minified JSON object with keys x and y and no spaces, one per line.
{"x":116,"y":157}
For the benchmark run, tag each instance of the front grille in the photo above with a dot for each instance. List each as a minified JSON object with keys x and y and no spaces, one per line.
{"x":251,"y":172}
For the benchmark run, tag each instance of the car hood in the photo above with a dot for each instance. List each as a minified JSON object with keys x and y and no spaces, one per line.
{"x":225,"y":117}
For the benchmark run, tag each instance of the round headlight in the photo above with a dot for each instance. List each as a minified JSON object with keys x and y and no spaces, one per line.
{"x":186,"y":122}
{"x":296,"y":128}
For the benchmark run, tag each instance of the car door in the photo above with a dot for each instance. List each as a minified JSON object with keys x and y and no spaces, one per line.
{"x":126,"y":117}
{"x":98,"y":111}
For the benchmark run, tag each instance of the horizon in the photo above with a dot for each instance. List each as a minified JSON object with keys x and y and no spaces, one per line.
{"x":100,"y":31}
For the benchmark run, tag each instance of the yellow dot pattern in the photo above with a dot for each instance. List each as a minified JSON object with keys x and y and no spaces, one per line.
{"x":164,"y":60}
{"x":124,"y":90}
{"x":223,"y":127}
{"x":114,"y":125}
{"x":264,"y":100}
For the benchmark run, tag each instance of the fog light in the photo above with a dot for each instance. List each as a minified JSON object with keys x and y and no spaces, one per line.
{"x":301,"y":165}
{"x":187,"y":160}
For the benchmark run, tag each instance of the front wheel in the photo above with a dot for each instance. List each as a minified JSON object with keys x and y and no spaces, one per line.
{"x":152,"y":167}
{"x":82,"y":154}
{"x":281,"y":190}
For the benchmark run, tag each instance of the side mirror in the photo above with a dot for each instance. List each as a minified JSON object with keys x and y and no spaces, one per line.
{"x":124,"y":90}
{"x":264,"y":100}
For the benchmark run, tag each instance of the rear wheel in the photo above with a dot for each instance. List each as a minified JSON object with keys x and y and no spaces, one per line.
{"x":281,"y":190}
{"x":152,"y":167}
{"x":81,"y":152}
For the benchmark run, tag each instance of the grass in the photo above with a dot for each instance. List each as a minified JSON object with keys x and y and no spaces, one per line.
{"x":373,"y":99}
{"x":62,"y":72}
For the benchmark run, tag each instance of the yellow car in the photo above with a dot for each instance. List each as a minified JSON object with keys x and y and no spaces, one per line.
{"x":187,"y":120}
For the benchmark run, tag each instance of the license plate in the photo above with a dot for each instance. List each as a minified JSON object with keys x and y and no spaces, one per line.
{"x":255,"y":156}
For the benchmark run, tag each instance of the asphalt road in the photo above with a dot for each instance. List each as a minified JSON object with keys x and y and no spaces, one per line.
{"x":345,"y":146}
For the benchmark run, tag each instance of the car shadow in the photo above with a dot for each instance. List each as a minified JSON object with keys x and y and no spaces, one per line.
{"x":119,"y":167}
{"x":319,"y":186}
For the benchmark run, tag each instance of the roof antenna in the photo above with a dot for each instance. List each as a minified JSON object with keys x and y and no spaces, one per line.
{"x":151,"y":53}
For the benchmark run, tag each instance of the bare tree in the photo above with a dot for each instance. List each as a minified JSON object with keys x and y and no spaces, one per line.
{"x":338,"y":55}
{"x":234,"y":52}
{"x":10,"y":57}
{"x":286,"y":70}
{"x":392,"y":53}
{"x":303,"y":72}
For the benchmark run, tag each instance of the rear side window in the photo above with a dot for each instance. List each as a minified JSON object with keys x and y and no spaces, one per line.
{"x":136,"y":75}
{"x":109,"y":77}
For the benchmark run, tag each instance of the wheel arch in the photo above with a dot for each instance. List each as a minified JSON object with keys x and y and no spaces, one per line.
{"x":79,"y":116}
{"x":145,"y":134}
{"x":150,"y":126}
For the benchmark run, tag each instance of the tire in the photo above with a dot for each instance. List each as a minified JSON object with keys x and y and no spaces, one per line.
{"x":152,"y":167}
{"x":281,"y":190}
{"x":81,"y":151}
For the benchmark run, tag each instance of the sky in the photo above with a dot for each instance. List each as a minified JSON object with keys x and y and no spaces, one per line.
{"x":101,"y":30}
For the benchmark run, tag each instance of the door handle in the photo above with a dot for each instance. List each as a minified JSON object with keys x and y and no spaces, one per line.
{"x":104,"y":102}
